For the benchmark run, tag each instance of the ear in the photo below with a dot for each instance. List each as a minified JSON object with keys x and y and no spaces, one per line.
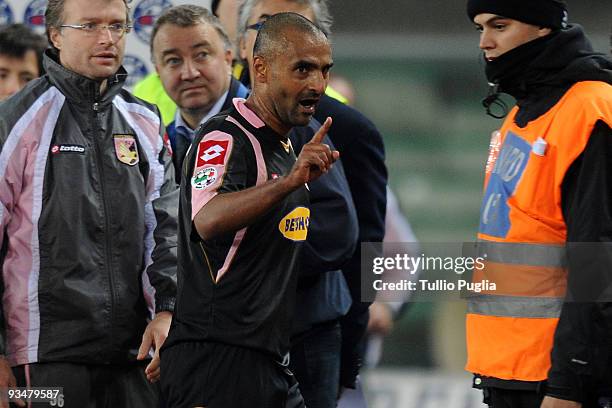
{"x":260,"y":69}
{"x":229,"y":57}
{"x":544,"y":31}
{"x":56,"y":37}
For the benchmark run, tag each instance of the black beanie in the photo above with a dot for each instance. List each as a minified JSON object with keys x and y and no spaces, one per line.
{"x":214,"y":5}
{"x":541,"y":13}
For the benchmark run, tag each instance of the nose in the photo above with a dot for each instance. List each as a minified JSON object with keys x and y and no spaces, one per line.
{"x":11,"y":85}
{"x":189,"y":71}
{"x":486,"y":42}
{"x":106,"y":37}
{"x":318,"y":82}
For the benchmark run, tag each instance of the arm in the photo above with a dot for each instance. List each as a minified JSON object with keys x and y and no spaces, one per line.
{"x":230,"y":212}
{"x":581,"y":344}
{"x":333,"y":230}
{"x":161,"y":212}
{"x":10,"y":186}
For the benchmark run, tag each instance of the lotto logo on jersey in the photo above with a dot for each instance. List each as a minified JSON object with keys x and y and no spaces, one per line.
{"x":294,"y":226}
{"x":211,"y":152}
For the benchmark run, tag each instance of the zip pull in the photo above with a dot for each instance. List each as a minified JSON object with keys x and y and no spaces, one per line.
{"x":95,"y":106}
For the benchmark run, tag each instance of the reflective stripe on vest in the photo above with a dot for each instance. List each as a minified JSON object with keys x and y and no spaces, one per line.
{"x":515,"y":306}
{"x":523,"y":254}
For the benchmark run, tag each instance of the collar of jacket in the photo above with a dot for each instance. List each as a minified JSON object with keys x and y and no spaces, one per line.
{"x":538,"y":73}
{"x":77,"y":88}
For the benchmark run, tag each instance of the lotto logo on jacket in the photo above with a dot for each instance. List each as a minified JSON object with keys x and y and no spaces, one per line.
{"x":294,"y":226}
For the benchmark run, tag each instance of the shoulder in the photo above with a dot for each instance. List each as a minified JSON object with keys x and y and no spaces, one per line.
{"x":28,"y":102}
{"x":129,"y":97}
{"x":588,"y":101}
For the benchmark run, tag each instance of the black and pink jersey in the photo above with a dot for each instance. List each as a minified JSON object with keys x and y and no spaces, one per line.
{"x":238,"y":289}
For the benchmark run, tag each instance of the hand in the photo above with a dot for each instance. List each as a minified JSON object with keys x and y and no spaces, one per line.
{"x":154,"y":336}
{"x":380,"y":321}
{"x":551,"y":402}
{"x":315,"y":158}
{"x":7,"y":380}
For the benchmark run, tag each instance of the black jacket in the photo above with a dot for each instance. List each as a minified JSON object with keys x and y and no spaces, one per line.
{"x":88,"y":210}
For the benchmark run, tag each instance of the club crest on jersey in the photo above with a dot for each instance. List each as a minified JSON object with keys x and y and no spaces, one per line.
{"x":204,"y":178}
{"x":211,"y":152}
{"x":294,"y":226}
{"x":126,"y":149}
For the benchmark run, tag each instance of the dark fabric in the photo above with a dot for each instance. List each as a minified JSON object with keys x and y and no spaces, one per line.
{"x":92,"y":386}
{"x":315,"y":361}
{"x":543,"y":13}
{"x":180,"y":144}
{"x":505,"y":398}
{"x":538,"y":73}
{"x":362,"y":152}
{"x":322,"y":293}
{"x":215,"y":375}
{"x":252,"y":304}
{"x":582,"y":355}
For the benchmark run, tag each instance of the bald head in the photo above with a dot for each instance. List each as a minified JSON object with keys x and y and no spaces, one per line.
{"x":272,"y":38}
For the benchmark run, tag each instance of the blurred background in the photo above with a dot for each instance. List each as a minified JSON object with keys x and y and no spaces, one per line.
{"x":418,"y":75}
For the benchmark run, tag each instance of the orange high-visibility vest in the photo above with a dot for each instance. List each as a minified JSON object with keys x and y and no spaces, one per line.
{"x":522,"y":235}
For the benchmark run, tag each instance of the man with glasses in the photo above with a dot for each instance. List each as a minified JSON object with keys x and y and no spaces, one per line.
{"x":88,"y":218}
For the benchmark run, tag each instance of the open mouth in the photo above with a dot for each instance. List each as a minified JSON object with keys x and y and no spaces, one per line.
{"x":309,"y":104}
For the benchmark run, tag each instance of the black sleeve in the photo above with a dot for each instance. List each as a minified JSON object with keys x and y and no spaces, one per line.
{"x":583,"y":340}
{"x":332,"y":231}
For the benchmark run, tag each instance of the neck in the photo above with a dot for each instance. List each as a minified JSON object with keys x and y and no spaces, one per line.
{"x":266,"y":113}
{"x":193,"y":117}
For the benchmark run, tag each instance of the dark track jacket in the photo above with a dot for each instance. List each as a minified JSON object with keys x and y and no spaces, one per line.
{"x":88,"y":209}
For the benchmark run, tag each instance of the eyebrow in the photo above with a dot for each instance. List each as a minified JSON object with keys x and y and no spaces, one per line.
{"x":492,"y":20}
{"x":264,"y":17}
{"x":193,"y":47}
{"x":311,"y":65}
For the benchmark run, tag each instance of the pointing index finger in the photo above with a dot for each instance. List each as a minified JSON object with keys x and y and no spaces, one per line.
{"x":318,"y":137}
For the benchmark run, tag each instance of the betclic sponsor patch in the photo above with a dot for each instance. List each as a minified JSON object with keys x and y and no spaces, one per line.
{"x":294,"y":226}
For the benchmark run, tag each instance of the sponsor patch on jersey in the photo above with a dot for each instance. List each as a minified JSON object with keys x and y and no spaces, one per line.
{"x":211,"y":152}
{"x":68,"y":148}
{"x":204,"y":178}
{"x":126,"y":149}
{"x":294,"y":226}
